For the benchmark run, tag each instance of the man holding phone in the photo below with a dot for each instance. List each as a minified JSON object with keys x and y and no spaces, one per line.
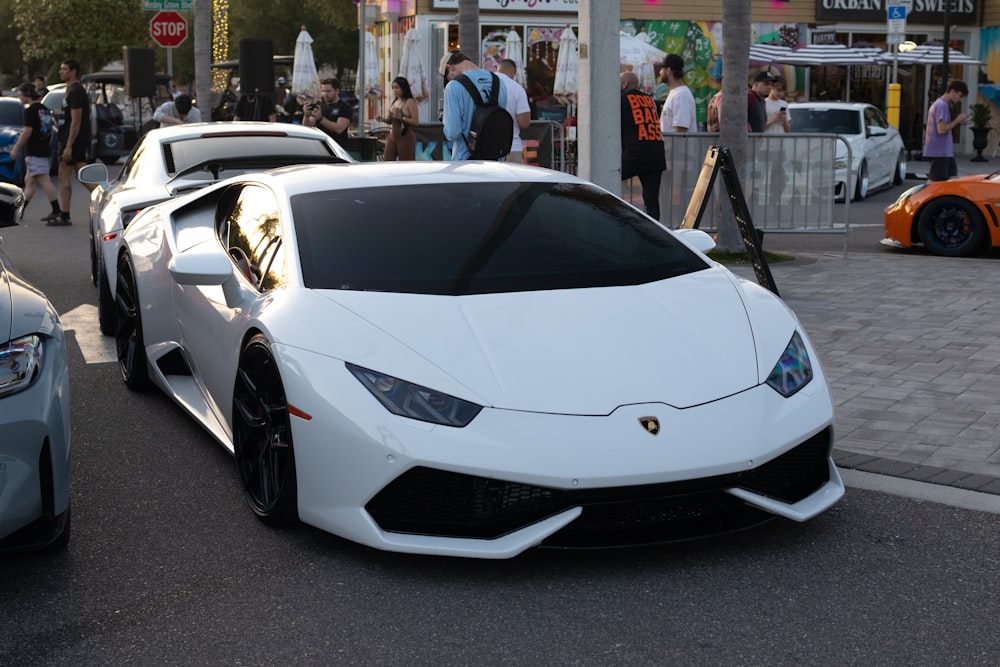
{"x":330,"y":114}
{"x":779,"y":121}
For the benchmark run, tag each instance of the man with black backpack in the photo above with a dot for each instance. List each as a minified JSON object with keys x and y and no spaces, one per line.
{"x":476,"y":121}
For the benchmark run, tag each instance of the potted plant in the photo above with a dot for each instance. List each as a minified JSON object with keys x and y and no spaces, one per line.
{"x":981,"y":117}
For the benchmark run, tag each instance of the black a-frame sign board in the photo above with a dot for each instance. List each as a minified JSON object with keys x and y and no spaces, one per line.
{"x":721,"y":159}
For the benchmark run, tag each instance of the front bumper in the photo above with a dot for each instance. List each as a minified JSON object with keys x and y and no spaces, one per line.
{"x":35,"y":456}
{"x":513,"y":480}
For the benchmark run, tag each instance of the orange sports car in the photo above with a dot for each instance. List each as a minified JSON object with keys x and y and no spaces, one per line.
{"x":953,"y":218}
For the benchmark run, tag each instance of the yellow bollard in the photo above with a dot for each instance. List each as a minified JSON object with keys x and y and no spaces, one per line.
{"x":893,"y":111}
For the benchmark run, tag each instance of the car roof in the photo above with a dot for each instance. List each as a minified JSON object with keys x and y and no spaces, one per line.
{"x":189,"y":130}
{"x":301,"y":179}
{"x":856,"y":106}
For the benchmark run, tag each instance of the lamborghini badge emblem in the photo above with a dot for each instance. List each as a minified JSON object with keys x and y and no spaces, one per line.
{"x":651,"y":424}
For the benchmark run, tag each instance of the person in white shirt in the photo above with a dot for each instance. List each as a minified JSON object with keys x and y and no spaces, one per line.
{"x":181,"y":110}
{"x":517,"y":105}
{"x":779,"y":121}
{"x":679,"y":115}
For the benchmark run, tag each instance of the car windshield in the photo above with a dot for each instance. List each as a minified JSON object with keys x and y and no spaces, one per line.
{"x":462,"y":238}
{"x":183,"y":154}
{"x":12,"y":114}
{"x":826,"y":121}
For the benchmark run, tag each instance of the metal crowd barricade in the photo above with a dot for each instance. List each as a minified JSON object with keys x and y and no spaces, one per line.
{"x":789,"y":182}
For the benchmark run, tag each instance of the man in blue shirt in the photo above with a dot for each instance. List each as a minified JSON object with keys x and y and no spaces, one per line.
{"x":458,"y":104}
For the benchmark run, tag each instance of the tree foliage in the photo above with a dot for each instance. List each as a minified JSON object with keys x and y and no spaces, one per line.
{"x":90,"y":31}
{"x":42,"y":33}
{"x":331,"y":23}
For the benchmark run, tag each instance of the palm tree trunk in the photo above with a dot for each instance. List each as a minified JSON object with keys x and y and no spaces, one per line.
{"x":733,"y":117}
{"x":468,"y":29}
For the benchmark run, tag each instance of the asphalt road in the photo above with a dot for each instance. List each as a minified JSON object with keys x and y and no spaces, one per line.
{"x":167,"y":566}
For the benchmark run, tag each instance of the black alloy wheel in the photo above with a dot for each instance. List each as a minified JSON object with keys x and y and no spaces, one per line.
{"x":128,"y":336}
{"x":107,"y":310}
{"x":952,"y":227}
{"x":262,"y":436}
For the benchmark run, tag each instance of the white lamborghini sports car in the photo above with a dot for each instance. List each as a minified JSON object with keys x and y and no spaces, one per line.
{"x":472,"y":359}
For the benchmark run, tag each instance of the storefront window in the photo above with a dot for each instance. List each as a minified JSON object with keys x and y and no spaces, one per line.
{"x":542,"y":44}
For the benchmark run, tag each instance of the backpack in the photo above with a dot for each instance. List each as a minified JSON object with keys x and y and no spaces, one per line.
{"x":492,"y":130}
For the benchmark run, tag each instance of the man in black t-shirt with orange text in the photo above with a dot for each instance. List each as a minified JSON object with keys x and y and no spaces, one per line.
{"x":642,"y":142}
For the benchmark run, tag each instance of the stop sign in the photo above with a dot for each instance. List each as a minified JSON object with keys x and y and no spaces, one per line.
{"x":168,"y":29}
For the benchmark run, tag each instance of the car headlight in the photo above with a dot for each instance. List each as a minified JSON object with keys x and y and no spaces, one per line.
{"x":411,"y":400}
{"x":6,"y":148}
{"x":840,"y":163}
{"x":909,"y":193}
{"x":20,"y":364}
{"x":794,"y":370}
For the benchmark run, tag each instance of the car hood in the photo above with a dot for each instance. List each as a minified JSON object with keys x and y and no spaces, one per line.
{"x":683,"y":341}
{"x":9,"y":135}
{"x":24,"y":309}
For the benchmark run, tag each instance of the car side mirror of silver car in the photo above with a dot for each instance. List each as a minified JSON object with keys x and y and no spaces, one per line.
{"x":11,"y":204}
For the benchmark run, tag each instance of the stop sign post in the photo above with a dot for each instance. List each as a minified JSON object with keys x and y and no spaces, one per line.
{"x":168,"y":29}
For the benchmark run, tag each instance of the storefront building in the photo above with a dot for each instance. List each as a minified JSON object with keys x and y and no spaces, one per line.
{"x":693,"y":29}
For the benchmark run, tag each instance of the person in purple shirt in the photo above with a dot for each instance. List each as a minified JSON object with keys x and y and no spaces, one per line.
{"x":939,"y":146}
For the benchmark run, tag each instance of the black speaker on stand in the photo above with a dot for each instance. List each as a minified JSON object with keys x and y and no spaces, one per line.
{"x":140,"y":72}
{"x":257,"y":74}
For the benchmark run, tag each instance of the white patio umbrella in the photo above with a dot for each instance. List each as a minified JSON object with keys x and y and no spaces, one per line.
{"x":371,"y":83}
{"x":647,"y":78}
{"x":513,"y":51}
{"x":828,"y":55}
{"x":932,"y":54}
{"x":635,"y":52}
{"x":567,"y":79}
{"x":305,"y":78}
{"x":411,"y":66}
{"x":768,"y":53}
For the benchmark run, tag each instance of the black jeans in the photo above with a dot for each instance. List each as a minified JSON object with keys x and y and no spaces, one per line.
{"x":650,"y":181}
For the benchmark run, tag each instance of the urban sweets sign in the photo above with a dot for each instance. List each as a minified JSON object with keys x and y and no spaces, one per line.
{"x":963,"y":12}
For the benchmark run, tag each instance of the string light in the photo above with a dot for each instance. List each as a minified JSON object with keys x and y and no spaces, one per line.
{"x":220,"y":41}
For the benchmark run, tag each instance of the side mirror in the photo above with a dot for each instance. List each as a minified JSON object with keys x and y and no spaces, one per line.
{"x":200,"y":267}
{"x":877,"y":131}
{"x":697,"y":239}
{"x":11,"y":204}
{"x":93,"y":174}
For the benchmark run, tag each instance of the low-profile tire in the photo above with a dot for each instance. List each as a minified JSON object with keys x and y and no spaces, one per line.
{"x":262,"y":436}
{"x":107,"y":309}
{"x":899,"y":175}
{"x":128,"y":335}
{"x":93,"y":257}
{"x":861,"y":183}
{"x":952,"y":227}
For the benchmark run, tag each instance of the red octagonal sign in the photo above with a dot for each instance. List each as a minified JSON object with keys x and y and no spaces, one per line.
{"x":168,"y":29}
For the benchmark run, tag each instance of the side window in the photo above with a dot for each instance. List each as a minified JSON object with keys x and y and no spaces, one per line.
{"x":133,"y":166}
{"x":252,"y":233}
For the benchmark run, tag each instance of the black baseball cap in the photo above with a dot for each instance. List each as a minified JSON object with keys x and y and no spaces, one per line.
{"x":763,"y":76}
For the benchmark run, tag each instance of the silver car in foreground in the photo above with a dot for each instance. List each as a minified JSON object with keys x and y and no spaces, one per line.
{"x":34,"y":409}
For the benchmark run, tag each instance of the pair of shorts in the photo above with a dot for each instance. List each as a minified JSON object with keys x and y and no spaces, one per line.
{"x":36,"y":166}
{"x":942,"y":168}
{"x":79,"y":152}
